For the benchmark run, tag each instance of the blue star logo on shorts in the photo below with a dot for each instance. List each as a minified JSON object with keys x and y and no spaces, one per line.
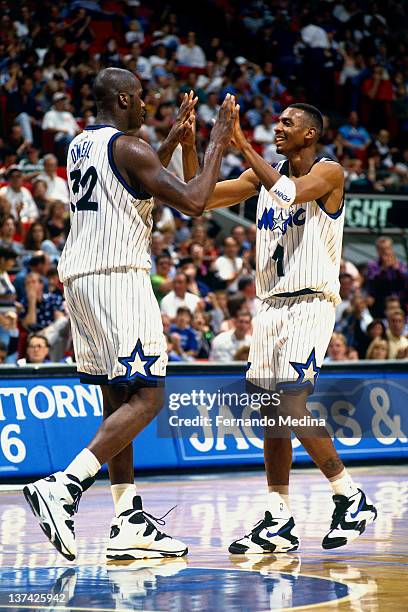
{"x":308,"y":372}
{"x":138,"y":364}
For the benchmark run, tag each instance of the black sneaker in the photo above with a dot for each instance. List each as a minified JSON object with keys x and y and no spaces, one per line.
{"x":350,"y":518}
{"x":270,"y":535}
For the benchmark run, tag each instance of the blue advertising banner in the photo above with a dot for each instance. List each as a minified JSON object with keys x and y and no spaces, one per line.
{"x":208,"y":419}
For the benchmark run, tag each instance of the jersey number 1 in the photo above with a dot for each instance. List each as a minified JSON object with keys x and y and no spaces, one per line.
{"x":88,"y":181}
{"x":278,"y":257}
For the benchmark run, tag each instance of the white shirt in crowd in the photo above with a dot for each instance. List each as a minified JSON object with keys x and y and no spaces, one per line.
{"x":60,"y":120}
{"x":29,"y":210}
{"x":171,"y":302}
{"x":263,"y":134}
{"x":208,"y":113}
{"x":226,"y":268}
{"x":315,"y":37}
{"x":191,"y":56}
{"x":57,"y":188}
{"x":225,"y":345}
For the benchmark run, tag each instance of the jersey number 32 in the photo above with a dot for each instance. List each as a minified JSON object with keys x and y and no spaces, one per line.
{"x":86,"y":182}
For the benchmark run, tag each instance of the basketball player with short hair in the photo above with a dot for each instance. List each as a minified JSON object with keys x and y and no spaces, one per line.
{"x":300,"y":217}
{"x":116,"y":322}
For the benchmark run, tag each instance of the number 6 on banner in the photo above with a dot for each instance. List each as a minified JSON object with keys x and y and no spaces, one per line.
{"x":7,"y":442}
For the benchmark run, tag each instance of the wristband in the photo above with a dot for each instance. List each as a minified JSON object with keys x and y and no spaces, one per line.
{"x":283,"y":192}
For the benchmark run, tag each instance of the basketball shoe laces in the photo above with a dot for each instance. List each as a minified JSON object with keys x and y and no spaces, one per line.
{"x":262,"y":524}
{"x":148,"y":518}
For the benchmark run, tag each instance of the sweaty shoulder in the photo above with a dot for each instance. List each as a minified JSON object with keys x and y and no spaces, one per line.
{"x":330,"y":169}
{"x":130,"y":158}
{"x":126,"y":145}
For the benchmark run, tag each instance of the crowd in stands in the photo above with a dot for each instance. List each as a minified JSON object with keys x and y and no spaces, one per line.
{"x":348,"y":58}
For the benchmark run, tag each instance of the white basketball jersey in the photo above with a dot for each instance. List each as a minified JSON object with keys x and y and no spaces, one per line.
{"x":299,"y":249}
{"x":111,"y":223}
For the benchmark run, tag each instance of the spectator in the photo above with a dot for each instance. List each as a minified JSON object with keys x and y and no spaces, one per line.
{"x":57,"y":221}
{"x":246,"y":286}
{"x":265,"y":132}
{"x":9,"y":335}
{"x":190,"y":54}
{"x":7,"y":232}
{"x":234,"y":304}
{"x":377,"y":100}
{"x":398,"y":343}
{"x":40,"y":198}
{"x":208,"y":111}
{"x":238,"y":233}
{"x":178,"y":297}
{"x":354,"y":137}
{"x":182,"y":328}
{"x":135,"y":33}
{"x":174,"y":350}
{"x":226,"y":344}
{"x":7,"y":289}
{"x":61,"y":123}
{"x":35,"y":237}
{"x":161,"y":281}
{"x":57,"y":188}
{"x":228,"y":267}
{"x":43,"y":312}
{"x":355,"y":325}
{"x":386,"y":276}
{"x":337,"y":349}
{"x":156,"y":249}
{"x":38,"y":263}
{"x":37,"y":350}
{"x":378,"y":349}
{"x":376,"y":329}
{"x":31,"y":165}
{"x":204,"y":335}
{"x":346,"y":292}
{"x":23,"y":207}
{"x":197,"y":287}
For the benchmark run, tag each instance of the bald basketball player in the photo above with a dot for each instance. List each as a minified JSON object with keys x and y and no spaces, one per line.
{"x":116,"y":323}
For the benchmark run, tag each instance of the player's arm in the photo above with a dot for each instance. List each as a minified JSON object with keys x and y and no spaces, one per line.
{"x":323,"y":179}
{"x":189,"y":151}
{"x":178,"y":129}
{"x":140,"y":165}
{"x":228,"y":193}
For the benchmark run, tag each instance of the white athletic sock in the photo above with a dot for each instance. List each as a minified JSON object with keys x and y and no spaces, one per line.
{"x":277,"y":506}
{"x":125,"y":501}
{"x":283,"y":491}
{"x":343,"y":484}
{"x":118,"y":490}
{"x":85,"y":465}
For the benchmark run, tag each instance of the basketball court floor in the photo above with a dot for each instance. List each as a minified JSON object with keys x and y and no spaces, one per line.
{"x":371,"y":575}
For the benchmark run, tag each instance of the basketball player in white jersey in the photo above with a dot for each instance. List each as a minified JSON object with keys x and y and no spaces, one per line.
{"x":300,"y":216}
{"x":116,"y":323}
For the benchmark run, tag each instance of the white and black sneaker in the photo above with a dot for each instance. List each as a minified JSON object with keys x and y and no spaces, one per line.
{"x":134,"y":536}
{"x":270,"y":535}
{"x":54,"y":501}
{"x":350,"y":518}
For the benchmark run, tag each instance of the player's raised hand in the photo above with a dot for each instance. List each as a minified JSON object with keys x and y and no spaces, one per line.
{"x":188,"y":137}
{"x":178,"y":129}
{"x":224,"y":125}
{"x":238,"y":136}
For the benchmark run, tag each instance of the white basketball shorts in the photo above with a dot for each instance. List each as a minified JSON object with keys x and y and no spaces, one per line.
{"x":116,"y":328}
{"x":289,"y":342}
